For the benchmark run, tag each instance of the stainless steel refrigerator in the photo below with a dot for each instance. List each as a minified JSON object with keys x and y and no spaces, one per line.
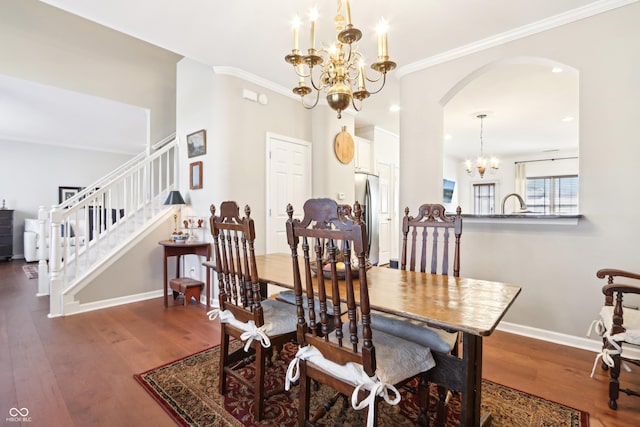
{"x":368,"y":195}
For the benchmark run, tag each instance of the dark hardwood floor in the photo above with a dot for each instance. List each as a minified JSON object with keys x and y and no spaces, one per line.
{"x":78,"y":370}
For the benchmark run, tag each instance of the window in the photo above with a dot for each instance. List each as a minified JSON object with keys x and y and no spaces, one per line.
{"x":484,"y":198}
{"x":552,"y":194}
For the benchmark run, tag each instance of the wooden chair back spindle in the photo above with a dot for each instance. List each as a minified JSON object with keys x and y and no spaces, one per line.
{"x":233,"y":241}
{"x":242,"y":312}
{"x":335,"y":235}
{"x":422,"y":244}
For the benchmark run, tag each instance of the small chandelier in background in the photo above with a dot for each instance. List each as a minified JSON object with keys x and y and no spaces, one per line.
{"x":482,"y":162}
{"x":342,"y":73}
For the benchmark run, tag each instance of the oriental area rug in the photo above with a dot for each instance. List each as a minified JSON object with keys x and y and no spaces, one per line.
{"x":188,"y":390}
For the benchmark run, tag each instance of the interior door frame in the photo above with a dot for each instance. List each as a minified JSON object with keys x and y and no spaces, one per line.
{"x":270,"y":136}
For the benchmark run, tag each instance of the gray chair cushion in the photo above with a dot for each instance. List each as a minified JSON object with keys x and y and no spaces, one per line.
{"x":396,"y":360}
{"x":282,"y":317}
{"x":290,"y":298}
{"x":412,"y":330}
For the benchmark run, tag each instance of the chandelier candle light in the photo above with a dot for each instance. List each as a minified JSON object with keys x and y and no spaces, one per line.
{"x":482,"y":162}
{"x":342,"y":72}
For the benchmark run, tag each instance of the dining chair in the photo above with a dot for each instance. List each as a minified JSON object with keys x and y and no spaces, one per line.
{"x":618,"y":325}
{"x":261,"y":324}
{"x":343,"y":352}
{"x":430,"y":243}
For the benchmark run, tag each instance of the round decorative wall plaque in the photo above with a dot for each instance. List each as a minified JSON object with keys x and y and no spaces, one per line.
{"x":343,"y":146}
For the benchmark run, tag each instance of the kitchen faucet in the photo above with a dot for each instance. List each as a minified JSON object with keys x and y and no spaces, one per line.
{"x":523,"y":205}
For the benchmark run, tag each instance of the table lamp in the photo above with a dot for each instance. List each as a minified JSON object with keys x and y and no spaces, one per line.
{"x":174,"y":198}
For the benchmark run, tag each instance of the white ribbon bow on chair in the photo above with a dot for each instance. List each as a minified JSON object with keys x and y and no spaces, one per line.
{"x":349,"y":371}
{"x":376,"y":388}
{"x":606,"y":353}
{"x":251,"y":332}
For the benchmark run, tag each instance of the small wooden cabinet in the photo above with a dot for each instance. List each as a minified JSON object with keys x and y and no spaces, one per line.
{"x":6,"y":234}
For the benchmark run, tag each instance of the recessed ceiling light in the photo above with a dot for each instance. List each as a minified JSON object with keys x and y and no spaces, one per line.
{"x":556,"y":70}
{"x":447,"y":137}
{"x":567,"y":119}
{"x":394,"y":108}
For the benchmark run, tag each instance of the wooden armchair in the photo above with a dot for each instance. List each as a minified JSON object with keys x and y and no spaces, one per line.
{"x":429,"y":240}
{"x":243,"y":315}
{"x":347,"y":355}
{"x":618,"y":324}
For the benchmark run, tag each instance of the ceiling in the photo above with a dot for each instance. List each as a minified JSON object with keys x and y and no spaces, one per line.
{"x":255,"y":35}
{"x":36,"y":113}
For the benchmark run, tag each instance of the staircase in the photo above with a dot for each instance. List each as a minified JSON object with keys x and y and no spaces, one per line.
{"x":115,"y":212}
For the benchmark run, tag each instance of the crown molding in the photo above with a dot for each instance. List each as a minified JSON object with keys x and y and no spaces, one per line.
{"x":583,"y":12}
{"x":260,"y":81}
{"x":252,"y":78}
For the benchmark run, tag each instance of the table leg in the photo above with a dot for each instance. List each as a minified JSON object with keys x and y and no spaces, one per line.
{"x":208,"y":287}
{"x":470,"y":404}
{"x":166,"y":303}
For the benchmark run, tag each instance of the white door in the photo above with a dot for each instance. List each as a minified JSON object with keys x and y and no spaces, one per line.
{"x":288,"y":181}
{"x":386,"y":211}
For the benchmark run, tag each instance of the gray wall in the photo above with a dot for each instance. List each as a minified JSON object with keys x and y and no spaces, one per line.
{"x":30,"y":175}
{"x":43,"y":44}
{"x":555,"y":265}
{"x":139,"y":271}
{"x":234,"y":166}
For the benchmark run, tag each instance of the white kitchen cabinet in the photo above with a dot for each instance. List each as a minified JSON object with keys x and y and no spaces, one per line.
{"x":364,"y":155}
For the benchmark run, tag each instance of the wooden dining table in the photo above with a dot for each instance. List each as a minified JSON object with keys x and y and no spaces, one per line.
{"x":473,"y":307}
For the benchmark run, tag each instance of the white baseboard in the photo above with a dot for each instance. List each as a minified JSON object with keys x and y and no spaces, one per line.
{"x":589,"y":344}
{"x":585,"y":343}
{"x":75,"y":307}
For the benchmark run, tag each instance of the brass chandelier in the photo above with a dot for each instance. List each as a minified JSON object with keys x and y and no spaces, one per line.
{"x":342,"y":73}
{"x":482,"y":163}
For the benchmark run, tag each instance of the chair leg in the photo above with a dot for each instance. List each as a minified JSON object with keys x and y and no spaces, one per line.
{"x":423,"y":402}
{"x":261,"y":355}
{"x":304,"y":397}
{"x":224,"y":355}
{"x":441,"y":408}
{"x":326,"y":407}
{"x":614,"y":383}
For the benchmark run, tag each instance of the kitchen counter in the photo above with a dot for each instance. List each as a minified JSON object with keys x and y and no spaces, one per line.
{"x":523,"y":218}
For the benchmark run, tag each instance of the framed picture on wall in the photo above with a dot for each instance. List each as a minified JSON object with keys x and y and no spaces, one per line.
{"x":195,"y":175}
{"x":65,"y":193}
{"x":197,"y":143}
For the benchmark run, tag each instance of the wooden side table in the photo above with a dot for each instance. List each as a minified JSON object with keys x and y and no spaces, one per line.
{"x":173,"y":249}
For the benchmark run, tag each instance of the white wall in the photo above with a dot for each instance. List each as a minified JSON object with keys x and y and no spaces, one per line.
{"x":31,"y":174}
{"x":234,"y":167}
{"x":554,"y":265}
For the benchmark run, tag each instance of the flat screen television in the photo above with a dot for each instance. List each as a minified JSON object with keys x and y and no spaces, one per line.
{"x":447,"y":190}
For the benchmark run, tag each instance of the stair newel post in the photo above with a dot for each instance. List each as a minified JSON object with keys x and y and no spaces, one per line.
{"x":43,"y":274}
{"x":55,"y":264}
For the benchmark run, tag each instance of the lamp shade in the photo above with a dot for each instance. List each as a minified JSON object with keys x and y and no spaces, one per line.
{"x":174,"y":198}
